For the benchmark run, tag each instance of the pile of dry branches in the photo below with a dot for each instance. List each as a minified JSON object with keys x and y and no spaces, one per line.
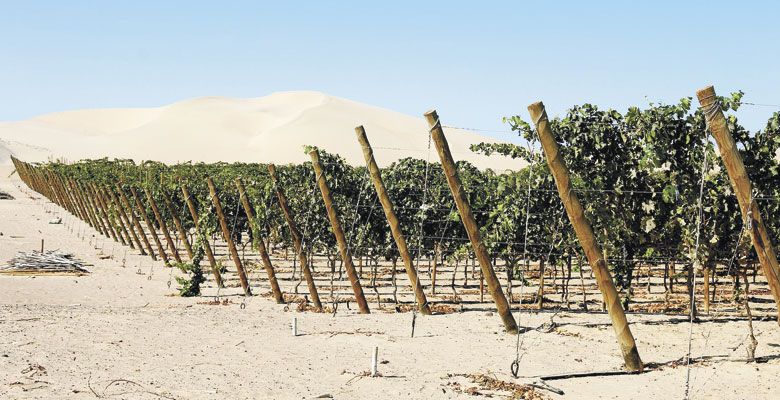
{"x":48,"y":262}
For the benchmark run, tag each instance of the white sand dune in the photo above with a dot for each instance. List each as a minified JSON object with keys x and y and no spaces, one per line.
{"x":273,"y":128}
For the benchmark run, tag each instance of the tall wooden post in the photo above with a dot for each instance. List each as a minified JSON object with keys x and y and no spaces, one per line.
{"x":116,"y":221}
{"x":103,"y":209}
{"x":296,"y":237}
{"x":65,"y":195}
{"x":149,"y":225}
{"x":79,"y":205}
{"x":100,"y":225}
{"x":177,"y":222}
{"x":128,"y":222}
{"x":85,"y":207}
{"x":126,"y":227}
{"x":164,"y":228}
{"x":260,"y":245}
{"x":228,"y":238}
{"x":136,"y":223}
{"x":338,"y":232}
{"x":585,"y":235}
{"x":729,"y":153}
{"x":204,"y":240}
{"x":469,"y":223}
{"x":392,"y":219}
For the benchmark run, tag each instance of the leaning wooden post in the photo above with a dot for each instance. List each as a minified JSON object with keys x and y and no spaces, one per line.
{"x":103,"y":209}
{"x":392,"y":219}
{"x":65,"y":195}
{"x":118,"y":226}
{"x":136,"y":223}
{"x":338,"y":232}
{"x":469,"y":223}
{"x":126,"y":227}
{"x":177,"y":223}
{"x":85,"y":208}
{"x":72,"y":195}
{"x":128,"y":222}
{"x":163,"y":227}
{"x":585,"y":235}
{"x":296,"y":237}
{"x":228,"y":238}
{"x":79,"y":205}
{"x":99,"y":224}
{"x":204,"y":240}
{"x":260,"y":245}
{"x":152,"y":230}
{"x":716,"y":122}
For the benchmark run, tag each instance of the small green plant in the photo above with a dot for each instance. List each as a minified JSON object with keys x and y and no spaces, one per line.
{"x":190,"y":287}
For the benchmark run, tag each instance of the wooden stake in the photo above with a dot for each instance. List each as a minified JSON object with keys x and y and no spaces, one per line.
{"x":121,"y":229}
{"x":469,"y":223}
{"x":716,"y":122}
{"x":260,"y":245}
{"x":149,"y":225}
{"x":104,"y":209}
{"x":136,"y":223}
{"x":205,"y":242}
{"x":123,"y":223}
{"x":80,"y":205}
{"x":177,"y":223}
{"x":296,"y":237}
{"x":585,"y":235}
{"x":392,"y":220}
{"x":338,"y":232}
{"x":99,"y":224}
{"x":126,"y":225}
{"x":163,"y":227}
{"x":228,"y":238}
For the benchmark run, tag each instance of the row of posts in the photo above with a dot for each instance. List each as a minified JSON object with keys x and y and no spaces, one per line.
{"x":90,"y":203}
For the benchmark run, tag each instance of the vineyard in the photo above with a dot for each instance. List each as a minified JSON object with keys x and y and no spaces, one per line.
{"x":607,"y":211}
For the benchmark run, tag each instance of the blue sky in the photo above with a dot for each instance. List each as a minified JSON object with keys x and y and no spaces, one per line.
{"x":473,"y":61}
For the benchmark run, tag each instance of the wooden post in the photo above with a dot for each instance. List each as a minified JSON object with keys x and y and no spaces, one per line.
{"x":205,"y":241}
{"x":338,"y":232}
{"x":126,"y":226}
{"x":163,"y":227}
{"x":136,"y":223}
{"x":296,"y":237}
{"x":127,"y":221}
{"x":100,"y":225}
{"x":65,"y":194}
{"x":104,"y":210}
{"x":729,"y":153}
{"x":469,"y":223}
{"x":149,"y":225}
{"x":585,"y":235}
{"x":392,"y":219}
{"x":84,"y":205}
{"x":228,"y":239}
{"x":177,"y":223}
{"x":117,"y":221}
{"x":707,"y":288}
{"x":79,"y":204}
{"x":260,"y":245}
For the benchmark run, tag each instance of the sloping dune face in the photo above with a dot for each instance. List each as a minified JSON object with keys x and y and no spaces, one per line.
{"x":273,"y":128}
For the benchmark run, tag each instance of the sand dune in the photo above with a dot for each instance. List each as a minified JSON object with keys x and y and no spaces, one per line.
{"x":273,"y":128}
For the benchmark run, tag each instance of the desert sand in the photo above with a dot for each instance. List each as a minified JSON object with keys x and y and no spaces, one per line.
{"x":273,"y":128}
{"x":120,"y":332}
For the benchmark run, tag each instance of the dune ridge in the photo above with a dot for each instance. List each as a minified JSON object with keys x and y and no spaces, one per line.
{"x":272,"y":128}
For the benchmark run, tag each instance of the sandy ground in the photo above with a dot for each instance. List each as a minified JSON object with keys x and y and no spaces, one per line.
{"x":120,"y":333}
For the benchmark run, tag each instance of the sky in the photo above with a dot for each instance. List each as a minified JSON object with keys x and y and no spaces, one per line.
{"x":475,"y":62}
